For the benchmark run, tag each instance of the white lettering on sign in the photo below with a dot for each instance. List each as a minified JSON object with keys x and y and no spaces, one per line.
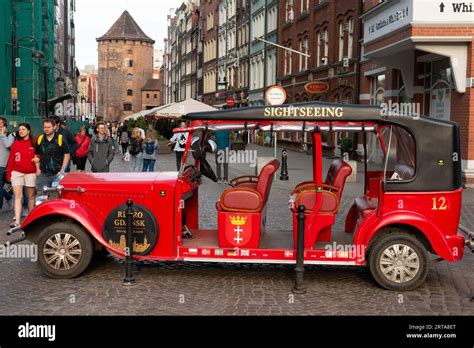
{"x":399,"y":14}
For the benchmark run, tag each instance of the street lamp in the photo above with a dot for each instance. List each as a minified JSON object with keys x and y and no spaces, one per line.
{"x":36,"y":53}
{"x":45,"y":78}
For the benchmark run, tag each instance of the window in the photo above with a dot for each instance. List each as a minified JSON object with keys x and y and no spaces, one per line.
{"x":304,"y":6}
{"x":288,"y":60}
{"x":272,"y":20}
{"x":341,"y":41}
{"x":155,"y":95}
{"x":289,"y":14}
{"x":377,"y":95}
{"x":130,"y":63}
{"x":271,"y":68}
{"x":129,"y":92}
{"x":127,"y":107}
{"x":350,"y":43}
{"x":130,"y":77}
{"x":148,"y":96}
{"x":399,"y":163}
{"x":303,"y":49}
{"x":322,"y":47}
{"x":130,"y":52}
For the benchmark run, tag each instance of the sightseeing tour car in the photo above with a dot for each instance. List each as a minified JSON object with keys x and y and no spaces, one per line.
{"x":405,"y":218}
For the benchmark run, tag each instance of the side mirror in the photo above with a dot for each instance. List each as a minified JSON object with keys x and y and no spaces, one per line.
{"x":196,"y":148}
{"x":211,"y":146}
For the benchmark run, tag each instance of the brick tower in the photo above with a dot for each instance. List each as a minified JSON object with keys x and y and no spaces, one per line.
{"x":125,"y":66}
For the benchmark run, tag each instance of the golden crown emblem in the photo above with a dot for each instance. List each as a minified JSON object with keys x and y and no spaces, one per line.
{"x":238,"y":220}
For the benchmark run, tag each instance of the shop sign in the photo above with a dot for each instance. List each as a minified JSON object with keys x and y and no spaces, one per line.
{"x":316,"y":87}
{"x":441,"y":103}
{"x":275,"y":95}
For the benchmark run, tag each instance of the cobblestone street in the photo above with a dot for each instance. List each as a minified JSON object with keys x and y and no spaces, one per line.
{"x":166,"y":288}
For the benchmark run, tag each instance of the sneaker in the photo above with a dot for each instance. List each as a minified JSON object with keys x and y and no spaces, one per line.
{"x":14,"y":224}
{"x":24,"y":212}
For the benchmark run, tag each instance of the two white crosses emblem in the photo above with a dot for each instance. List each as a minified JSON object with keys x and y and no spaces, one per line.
{"x":238,"y":231}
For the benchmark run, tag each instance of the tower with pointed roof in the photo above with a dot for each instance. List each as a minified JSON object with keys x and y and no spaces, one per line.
{"x":125,"y":67}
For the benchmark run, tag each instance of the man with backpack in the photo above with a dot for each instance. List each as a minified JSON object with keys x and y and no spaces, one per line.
{"x":101,"y":152}
{"x":53,"y":155}
{"x":179,"y":140}
{"x":6,"y":141}
{"x":149,"y":152}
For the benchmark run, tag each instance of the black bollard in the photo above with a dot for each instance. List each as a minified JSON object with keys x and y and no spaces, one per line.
{"x":284,"y":165}
{"x":299,"y":287}
{"x":129,"y":280}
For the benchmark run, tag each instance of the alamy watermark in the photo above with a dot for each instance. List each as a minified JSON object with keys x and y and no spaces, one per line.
{"x":66,"y":109}
{"x":412,"y":110}
{"x":356,"y":252}
{"x":237,"y":157}
{"x":19,"y":251}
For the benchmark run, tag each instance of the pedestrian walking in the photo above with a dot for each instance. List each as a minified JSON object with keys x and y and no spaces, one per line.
{"x":53,"y":155}
{"x":6,"y":141}
{"x":149,"y":152}
{"x":82,"y":151}
{"x":222,"y":155}
{"x":136,"y":150}
{"x":22,"y":170}
{"x":179,"y":140}
{"x":101,"y":152}
{"x":61,"y":128}
{"x":124,"y":141}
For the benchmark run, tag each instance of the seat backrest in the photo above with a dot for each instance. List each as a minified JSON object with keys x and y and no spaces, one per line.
{"x":265,"y":179}
{"x":337,"y":175}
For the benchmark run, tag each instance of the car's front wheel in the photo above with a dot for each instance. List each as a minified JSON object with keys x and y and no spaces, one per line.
{"x":398,"y":261}
{"x":65,"y":250}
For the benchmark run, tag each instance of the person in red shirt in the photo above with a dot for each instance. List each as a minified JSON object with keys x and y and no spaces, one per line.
{"x":80,"y":156}
{"x":22,"y":170}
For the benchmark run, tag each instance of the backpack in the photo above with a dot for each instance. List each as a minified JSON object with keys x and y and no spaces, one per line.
{"x":124,"y":138}
{"x":150,"y":148}
{"x":59,"y":139}
{"x":135,"y":149}
{"x":182,"y":141}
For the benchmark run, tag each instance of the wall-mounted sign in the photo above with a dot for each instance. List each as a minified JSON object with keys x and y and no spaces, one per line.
{"x":275,"y":95}
{"x":144,"y":229}
{"x":441,"y":103}
{"x":393,"y":15}
{"x":316,"y":87}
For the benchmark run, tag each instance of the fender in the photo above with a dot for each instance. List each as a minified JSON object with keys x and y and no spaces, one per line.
{"x":71,"y":209}
{"x":372,"y":224}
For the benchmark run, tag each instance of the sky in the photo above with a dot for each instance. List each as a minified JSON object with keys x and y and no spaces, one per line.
{"x":94,"y":17}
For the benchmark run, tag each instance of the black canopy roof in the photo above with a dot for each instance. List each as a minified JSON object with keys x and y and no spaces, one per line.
{"x":438,"y":157}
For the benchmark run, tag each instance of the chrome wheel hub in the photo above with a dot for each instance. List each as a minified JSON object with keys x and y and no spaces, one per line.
{"x":62,"y":251}
{"x":399,"y":263}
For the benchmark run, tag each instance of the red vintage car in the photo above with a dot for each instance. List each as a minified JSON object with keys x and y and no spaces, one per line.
{"x":406,"y":215}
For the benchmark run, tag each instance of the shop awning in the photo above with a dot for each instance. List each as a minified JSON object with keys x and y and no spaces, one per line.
{"x":179,"y":109}
{"x":145,"y":113}
{"x":53,"y":101}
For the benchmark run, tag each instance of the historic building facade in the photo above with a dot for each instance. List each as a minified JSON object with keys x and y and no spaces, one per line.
{"x":422,"y":55}
{"x":125,"y":67}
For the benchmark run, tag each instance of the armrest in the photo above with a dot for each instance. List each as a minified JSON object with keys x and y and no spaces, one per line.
{"x":243,"y":179}
{"x":330,"y":187}
{"x":241,"y":199}
{"x":330,"y":203}
{"x":308,"y":185}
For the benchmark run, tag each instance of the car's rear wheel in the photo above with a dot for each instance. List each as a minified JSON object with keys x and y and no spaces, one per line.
{"x":398,"y":261}
{"x":65,"y":250}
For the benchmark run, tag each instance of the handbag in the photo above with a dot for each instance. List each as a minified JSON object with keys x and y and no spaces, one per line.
{"x":74,"y":157}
